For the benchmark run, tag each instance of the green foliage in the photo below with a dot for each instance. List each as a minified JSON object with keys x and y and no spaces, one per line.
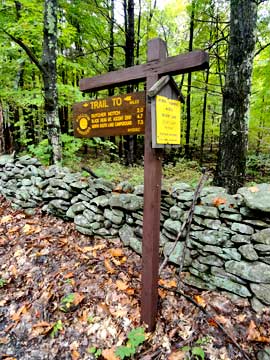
{"x":258,"y":167}
{"x":58,"y":326}
{"x":67,"y":302}
{"x":196,"y":352}
{"x":41,"y":151}
{"x":93,"y":350}
{"x":135,"y":338}
{"x":2,"y":282}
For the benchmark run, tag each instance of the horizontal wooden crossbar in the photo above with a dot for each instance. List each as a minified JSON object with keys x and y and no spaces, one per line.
{"x":184,"y":63}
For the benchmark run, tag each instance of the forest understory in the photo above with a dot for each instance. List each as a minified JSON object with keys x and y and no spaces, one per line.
{"x":64,"y":295}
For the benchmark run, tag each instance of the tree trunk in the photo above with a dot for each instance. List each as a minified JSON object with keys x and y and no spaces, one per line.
{"x":49,"y":75}
{"x":231,"y":166}
{"x":2,"y":137}
{"x":129,"y":61}
{"x":188,"y":100}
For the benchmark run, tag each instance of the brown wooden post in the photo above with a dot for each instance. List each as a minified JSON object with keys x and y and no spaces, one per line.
{"x":157,"y":50}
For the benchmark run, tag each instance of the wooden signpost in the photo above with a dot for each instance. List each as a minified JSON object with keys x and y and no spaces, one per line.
{"x":157,"y":66}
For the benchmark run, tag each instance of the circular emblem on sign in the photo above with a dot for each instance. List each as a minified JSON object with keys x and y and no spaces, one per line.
{"x":83,"y":123}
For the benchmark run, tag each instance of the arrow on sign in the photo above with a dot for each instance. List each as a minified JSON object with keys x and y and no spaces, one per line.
{"x":128,"y":98}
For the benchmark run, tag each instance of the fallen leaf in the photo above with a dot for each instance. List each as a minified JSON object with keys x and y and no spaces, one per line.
{"x":253,"y":334}
{"x":22,"y":310}
{"x":75,"y":355}
{"x":219,"y":201}
{"x":41,"y":328}
{"x":117,"y":252}
{"x":200,"y":300}
{"x":177,"y":355}
{"x":28,"y":229}
{"x":108,"y":266}
{"x":4,"y":340}
{"x":168,"y":283}
{"x":109,"y":354}
{"x":5,"y":219}
{"x":121,"y":285}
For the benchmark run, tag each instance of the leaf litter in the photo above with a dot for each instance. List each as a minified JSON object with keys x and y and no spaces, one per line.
{"x":63,"y":293}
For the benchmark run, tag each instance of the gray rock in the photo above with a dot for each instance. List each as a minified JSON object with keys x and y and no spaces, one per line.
{"x":262,"y":292}
{"x":257,"y":272}
{"x":258,"y":306}
{"x":242,"y":228}
{"x":206,"y":211}
{"x":213,"y":249}
{"x":62,"y":194}
{"x":84,"y":230}
{"x":126,"y":233}
{"x":107,"y":224}
{"x":136,"y":245}
{"x":198,"y":266}
{"x":60,"y":204}
{"x":211,"y":260}
{"x":262,"y":237}
{"x":232,"y":217}
{"x":173,"y":226}
{"x":248,"y":252}
{"x":59,"y":184}
{"x":100,"y":201}
{"x":175,"y":255}
{"x":262,"y":248}
{"x":102,"y":232}
{"x":264,"y":354}
{"x":179,"y":187}
{"x":230,"y":254}
{"x":75,"y":209}
{"x":198,"y":283}
{"x":81,"y":221}
{"x":176,"y":213}
{"x":222,"y":273}
{"x":220,"y":198}
{"x":87,"y":194}
{"x":211,"y":237}
{"x":139,"y":190}
{"x":26,"y":182}
{"x":256,"y":223}
{"x":212,"y":190}
{"x":124,"y":187}
{"x":115,"y":216}
{"x":89,"y":215}
{"x":257,"y":197}
{"x":79,"y":185}
{"x":184,"y":196}
{"x":229,"y":285}
{"x":241,"y":239}
{"x":128,"y":202}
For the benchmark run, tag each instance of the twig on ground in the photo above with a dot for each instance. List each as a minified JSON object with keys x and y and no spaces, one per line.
{"x":208,"y":316}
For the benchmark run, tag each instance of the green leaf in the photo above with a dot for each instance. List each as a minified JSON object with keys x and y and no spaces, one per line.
{"x":136,"y":337}
{"x":197,"y":351}
{"x":125,"y":351}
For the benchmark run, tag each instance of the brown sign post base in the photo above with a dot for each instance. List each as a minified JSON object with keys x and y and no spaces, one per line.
{"x":157,"y":66}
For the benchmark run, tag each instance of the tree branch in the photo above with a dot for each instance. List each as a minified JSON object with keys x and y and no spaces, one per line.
{"x":261,"y":49}
{"x":28,"y":51}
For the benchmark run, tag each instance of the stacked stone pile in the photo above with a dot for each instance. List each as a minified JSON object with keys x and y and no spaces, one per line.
{"x":229,"y":243}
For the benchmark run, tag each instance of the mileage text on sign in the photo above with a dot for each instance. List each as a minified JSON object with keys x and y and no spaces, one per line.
{"x":112,"y":116}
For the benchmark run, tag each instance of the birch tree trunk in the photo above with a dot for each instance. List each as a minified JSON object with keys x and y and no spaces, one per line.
{"x":49,"y":75}
{"x":230,"y":172}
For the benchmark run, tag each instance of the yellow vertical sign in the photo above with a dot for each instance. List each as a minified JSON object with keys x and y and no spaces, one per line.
{"x":167,"y":121}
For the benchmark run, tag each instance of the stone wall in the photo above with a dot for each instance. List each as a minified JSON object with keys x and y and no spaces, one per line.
{"x":229,"y":244}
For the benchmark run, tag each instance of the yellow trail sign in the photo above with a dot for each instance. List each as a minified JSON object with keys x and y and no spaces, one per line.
{"x":168,"y":121}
